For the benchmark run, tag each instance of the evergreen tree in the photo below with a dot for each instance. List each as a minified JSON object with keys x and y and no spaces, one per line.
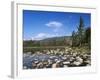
{"x":81,"y":31}
{"x":78,"y":37}
{"x":88,"y":36}
{"x":73,"y":38}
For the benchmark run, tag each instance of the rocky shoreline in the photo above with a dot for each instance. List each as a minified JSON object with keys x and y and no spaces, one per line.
{"x":56,"y":58}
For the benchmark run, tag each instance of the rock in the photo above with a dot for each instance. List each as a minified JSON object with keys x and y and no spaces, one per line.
{"x":56,"y":65}
{"x":48,"y":52}
{"x":64,"y":58}
{"x":40,"y":65}
{"x":78,"y":59}
{"x":25,"y":67}
{"x":55,"y":60}
{"x":36,"y":62}
{"x":74,"y":54}
{"x":65,"y":66}
{"x":51,"y":57}
{"x":88,"y":62}
{"x":66,"y":62}
{"x":50,"y":62}
{"x":76,"y":63}
{"x":34,"y":65}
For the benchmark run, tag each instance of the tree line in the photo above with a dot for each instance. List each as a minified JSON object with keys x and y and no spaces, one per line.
{"x":55,"y":41}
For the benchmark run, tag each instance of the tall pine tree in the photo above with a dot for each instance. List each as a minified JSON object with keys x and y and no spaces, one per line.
{"x":78,"y":37}
{"x":81,"y":31}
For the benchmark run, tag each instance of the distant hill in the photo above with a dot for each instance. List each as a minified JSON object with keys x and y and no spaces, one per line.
{"x":57,"y":38}
{"x":54,"y":41}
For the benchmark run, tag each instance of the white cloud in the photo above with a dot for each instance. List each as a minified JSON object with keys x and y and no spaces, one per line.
{"x":41,"y":36}
{"x":55,"y":25}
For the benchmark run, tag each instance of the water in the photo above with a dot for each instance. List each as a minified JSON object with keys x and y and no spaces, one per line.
{"x":64,"y":60}
{"x":28,"y":59}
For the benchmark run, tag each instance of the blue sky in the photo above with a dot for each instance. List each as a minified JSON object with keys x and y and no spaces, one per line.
{"x":38,"y":25}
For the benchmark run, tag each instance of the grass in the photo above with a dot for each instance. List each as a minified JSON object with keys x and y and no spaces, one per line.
{"x":81,"y":50}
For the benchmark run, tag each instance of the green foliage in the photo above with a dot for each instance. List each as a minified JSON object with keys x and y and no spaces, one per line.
{"x":55,"y":41}
{"x":82,"y":37}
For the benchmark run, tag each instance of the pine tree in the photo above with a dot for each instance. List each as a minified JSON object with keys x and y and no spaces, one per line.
{"x":81,"y":32}
{"x":88,"y":36}
{"x":73,"y":38}
{"x":79,"y":36}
